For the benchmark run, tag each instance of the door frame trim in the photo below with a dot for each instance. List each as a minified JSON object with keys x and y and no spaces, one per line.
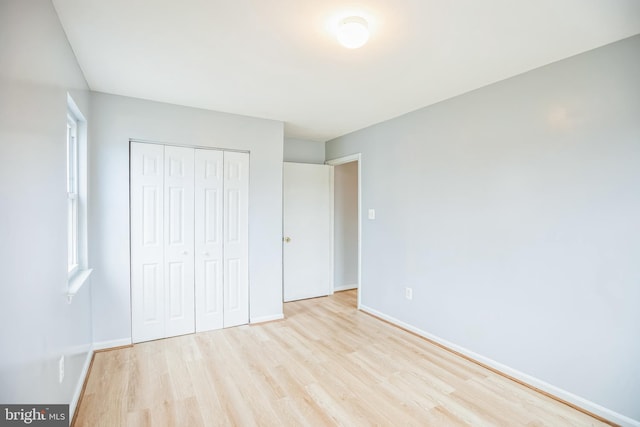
{"x":357,"y":157}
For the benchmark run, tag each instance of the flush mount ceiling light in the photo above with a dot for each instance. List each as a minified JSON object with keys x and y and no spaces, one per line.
{"x":353,"y":32}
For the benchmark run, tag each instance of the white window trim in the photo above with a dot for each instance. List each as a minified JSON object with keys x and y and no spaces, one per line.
{"x":78,"y":273}
{"x":72,"y":195}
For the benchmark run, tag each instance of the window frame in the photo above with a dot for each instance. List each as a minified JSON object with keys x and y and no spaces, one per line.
{"x":73,"y":263}
{"x":77,"y":198}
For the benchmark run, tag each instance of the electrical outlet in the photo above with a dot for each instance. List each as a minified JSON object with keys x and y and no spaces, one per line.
{"x":408,"y":293}
{"x":61,"y":369}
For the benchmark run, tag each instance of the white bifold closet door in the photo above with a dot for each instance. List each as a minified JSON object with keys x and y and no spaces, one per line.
{"x":179,"y":236}
{"x":236,"y":239}
{"x":161,"y":241}
{"x":147,"y":242}
{"x":221,"y":245}
{"x":189,"y":240}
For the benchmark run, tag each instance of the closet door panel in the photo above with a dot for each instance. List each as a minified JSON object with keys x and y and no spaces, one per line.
{"x":209,"y":239}
{"x":179,"y":240}
{"x":236,"y":238}
{"x":147,"y":242}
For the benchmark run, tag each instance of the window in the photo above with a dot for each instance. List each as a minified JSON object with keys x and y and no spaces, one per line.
{"x":72,"y":194}
{"x":77,"y":259}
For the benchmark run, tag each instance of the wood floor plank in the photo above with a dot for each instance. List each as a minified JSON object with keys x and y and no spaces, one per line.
{"x":326,"y":364}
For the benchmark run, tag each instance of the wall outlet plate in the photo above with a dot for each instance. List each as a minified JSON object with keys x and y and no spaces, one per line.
{"x":408,"y":293}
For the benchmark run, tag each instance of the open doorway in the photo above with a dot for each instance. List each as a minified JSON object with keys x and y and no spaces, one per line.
{"x":346,"y":225}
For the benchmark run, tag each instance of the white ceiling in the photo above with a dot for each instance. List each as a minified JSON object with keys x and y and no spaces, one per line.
{"x":278,"y":59}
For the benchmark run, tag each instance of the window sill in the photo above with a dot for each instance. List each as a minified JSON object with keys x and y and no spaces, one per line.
{"x":76,"y":282}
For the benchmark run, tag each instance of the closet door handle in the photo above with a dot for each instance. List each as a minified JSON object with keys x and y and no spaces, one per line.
{"x":206,"y":254}
{"x":185,"y":253}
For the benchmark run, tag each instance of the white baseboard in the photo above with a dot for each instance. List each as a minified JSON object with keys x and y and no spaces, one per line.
{"x":103,"y":345}
{"x":78,"y":391}
{"x":270,"y":318}
{"x":344,"y":288}
{"x":578,"y":401}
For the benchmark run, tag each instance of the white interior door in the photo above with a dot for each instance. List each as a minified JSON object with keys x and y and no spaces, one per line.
{"x":147,"y":242}
{"x":307,"y":231}
{"x":209,"y":256}
{"x":236,"y":239}
{"x":179,"y":240}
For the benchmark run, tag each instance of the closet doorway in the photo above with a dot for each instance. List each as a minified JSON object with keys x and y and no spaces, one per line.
{"x":189,"y":239}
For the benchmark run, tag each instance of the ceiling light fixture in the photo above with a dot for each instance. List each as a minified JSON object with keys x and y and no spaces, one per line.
{"x":353,"y":32}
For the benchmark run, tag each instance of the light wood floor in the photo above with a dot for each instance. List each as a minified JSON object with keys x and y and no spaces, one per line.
{"x":326,"y":364}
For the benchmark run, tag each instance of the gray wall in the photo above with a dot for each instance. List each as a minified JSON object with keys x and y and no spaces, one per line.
{"x":513,"y":213}
{"x":345,"y":226}
{"x":37,"y":324}
{"x":116,"y":120}
{"x":303,"y":151}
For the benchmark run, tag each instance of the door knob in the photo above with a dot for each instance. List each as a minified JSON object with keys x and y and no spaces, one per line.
{"x":206,"y":254}
{"x":287,"y":239}
{"x":185,"y":253}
